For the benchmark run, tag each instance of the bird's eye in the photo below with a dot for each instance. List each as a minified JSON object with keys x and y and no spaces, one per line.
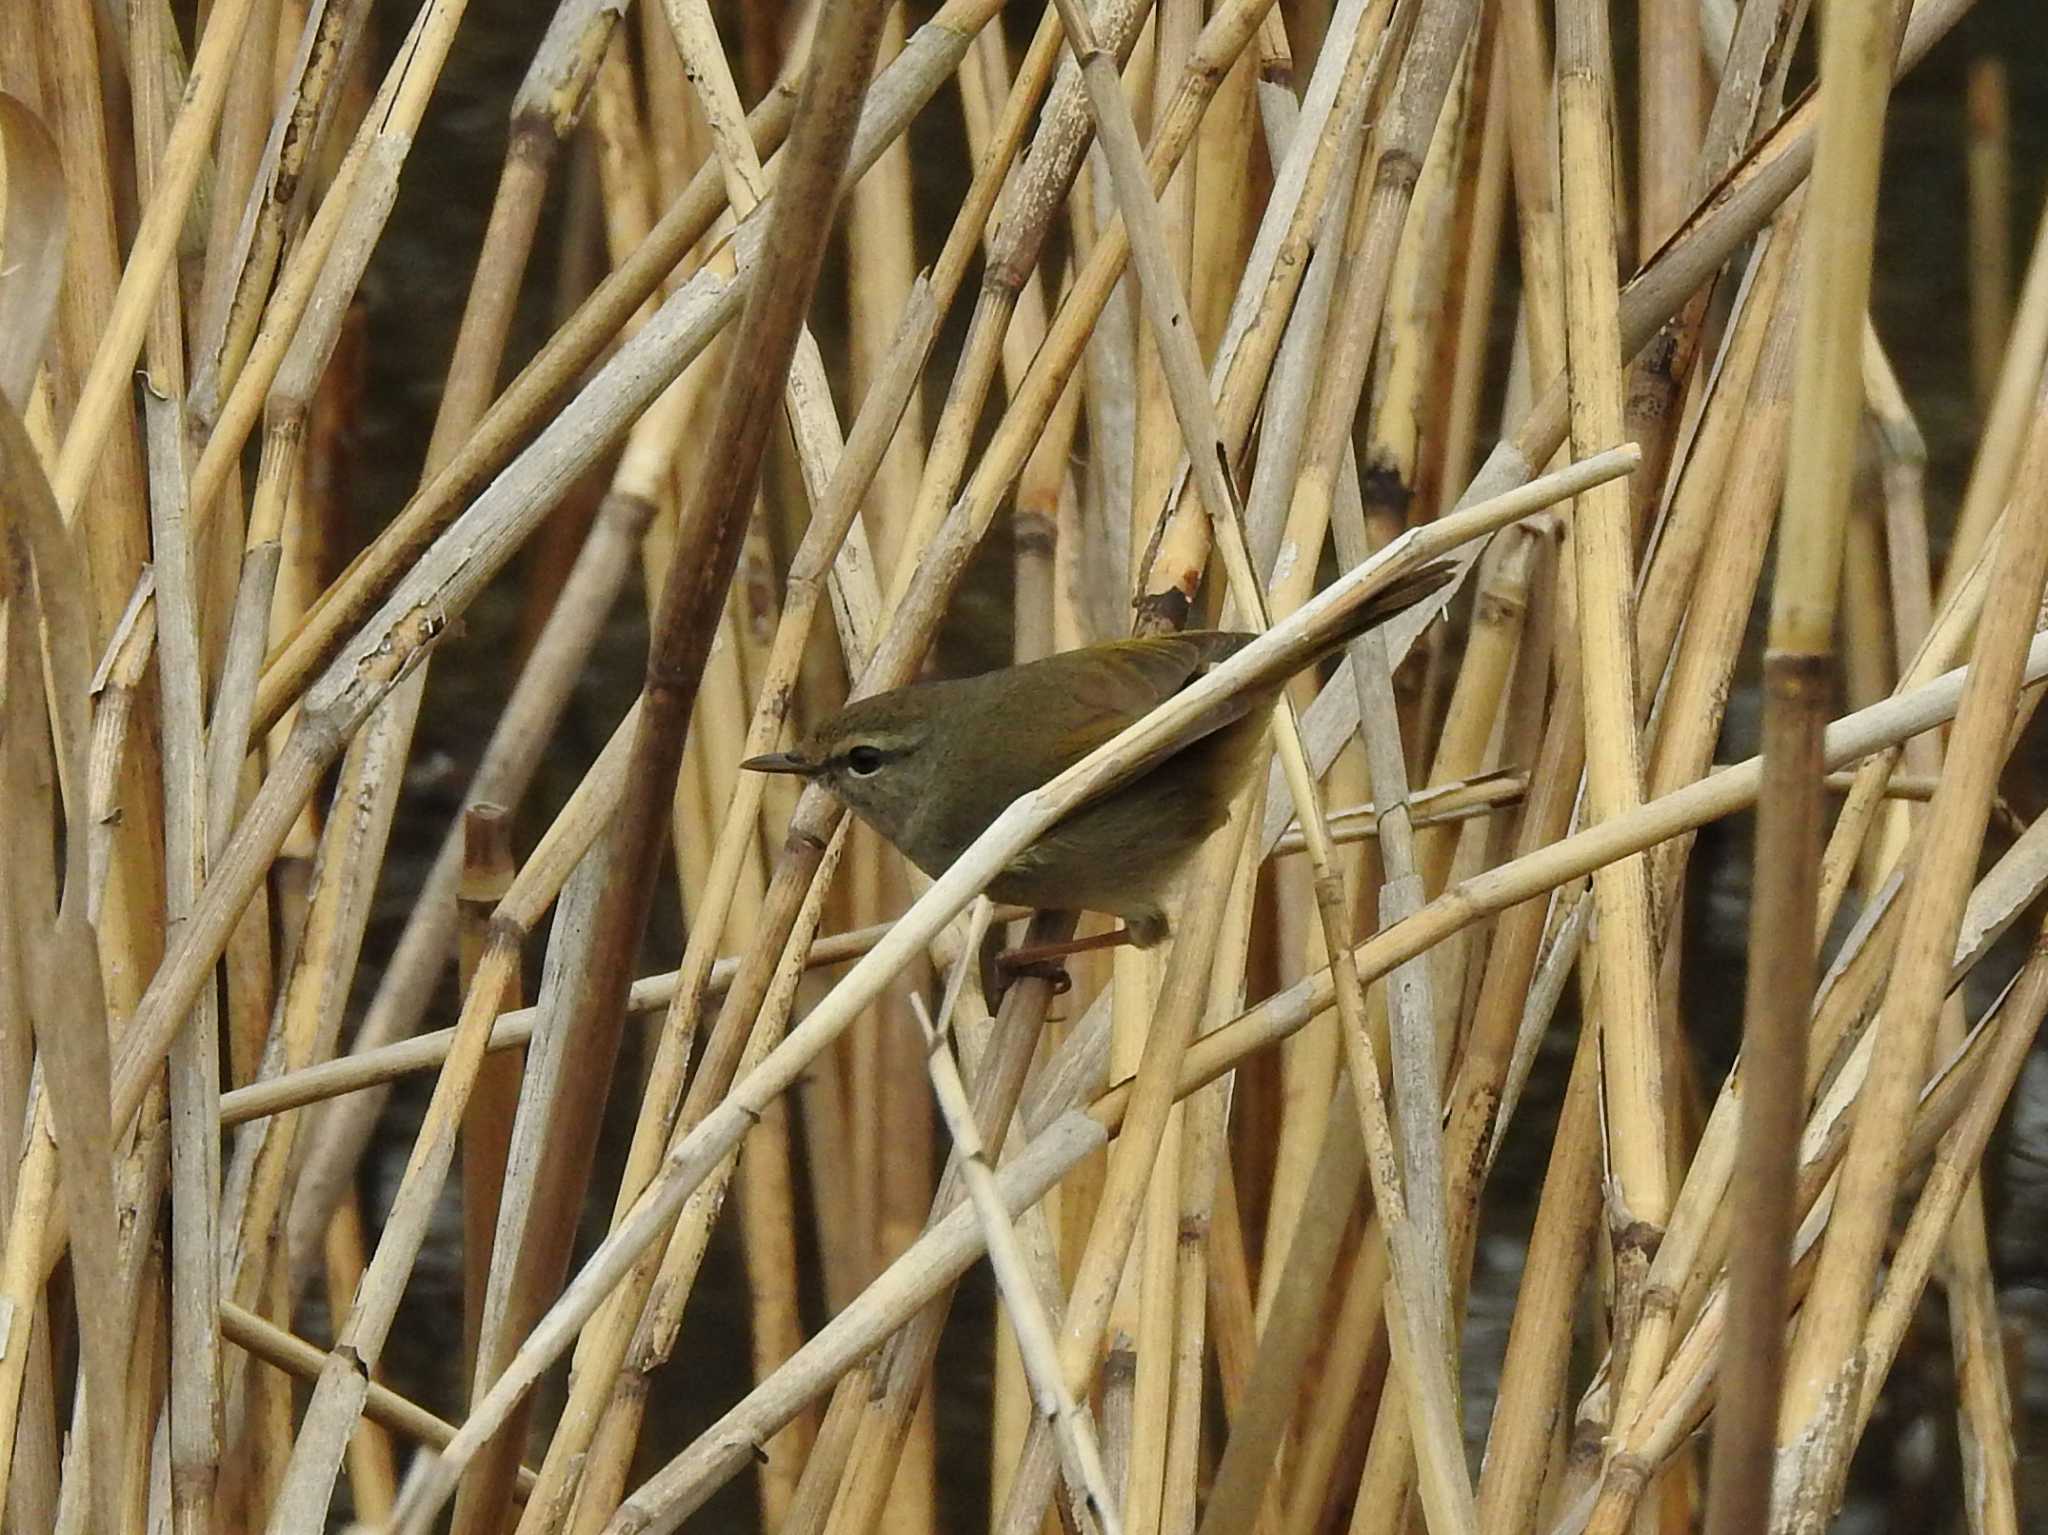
{"x":864,"y":761}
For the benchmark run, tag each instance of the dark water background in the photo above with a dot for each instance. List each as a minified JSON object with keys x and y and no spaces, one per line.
{"x":1906,"y":1478}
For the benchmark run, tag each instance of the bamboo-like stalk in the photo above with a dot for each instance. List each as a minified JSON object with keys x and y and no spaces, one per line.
{"x":1987,"y":165}
{"x":1855,"y":82}
{"x":47,"y":614}
{"x":1632,"y":1076}
{"x":487,"y":1120}
{"x":1955,"y":828}
{"x":371,"y":578}
{"x":372,"y":1476}
{"x":676,"y":332}
{"x":2006,"y":418}
{"x":284,"y":1351}
{"x":1419,"y":1299}
{"x":1856,"y":47}
{"x":129,"y":909}
{"x":361,"y":1070}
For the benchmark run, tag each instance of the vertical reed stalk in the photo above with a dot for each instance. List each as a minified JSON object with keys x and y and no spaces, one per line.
{"x":1857,"y":45}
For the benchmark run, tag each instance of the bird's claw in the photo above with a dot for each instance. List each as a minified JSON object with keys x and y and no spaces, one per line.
{"x":1051,"y":971}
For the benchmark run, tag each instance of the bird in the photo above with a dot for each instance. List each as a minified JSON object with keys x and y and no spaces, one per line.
{"x":930,"y":765}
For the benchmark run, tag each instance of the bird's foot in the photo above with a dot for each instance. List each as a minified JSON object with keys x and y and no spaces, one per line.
{"x":1043,"y":960}
{"x":1010,"y":968}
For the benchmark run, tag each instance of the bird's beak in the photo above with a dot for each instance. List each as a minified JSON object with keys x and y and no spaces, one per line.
{"x":780,"y":762}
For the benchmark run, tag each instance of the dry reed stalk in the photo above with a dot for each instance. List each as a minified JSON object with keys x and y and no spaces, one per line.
{"x":990,"y":102}
{"x":260,"y":1181}
{"x":193,"y":1076}
{"x":901,"y":90}
{"x":293,"y":1355}
{"x":1205,"y":1168}
{"x":2005,"y":419}
{"x":854,"y":602}
{"x":1483,"y":1085}
{"x":130,"y":911}
{"x":1420,"y":1054}
{"x":1271,"y":1391}
{"x":1530,"y":1407}
{"x":372,"y":1476}
{"x":33,"y":234}
{"x":1632,"y":1078}
{"x":1404,"y":378}
{"x":424,"y":950}
{"x":1871,"y":1169}
{"x":1902,"y":454}
{"x":1857,"y":46}
{"x":1197,"y":99}
{"x":478,"y":350}
{"x":330,"y":254}
{"x":1676,"y":1406}
{"x":621,"y":1412}
{"x":652,"y":1327}
{"x":1418,"y":99}
{"x":1207,"y":456}
{"x":1670,"y":85}
{"x":695,"y":590}
{"x":1768,"y":174}
{"x":1415,"y":1055}
{"x":1483,"y":195}
{"x":1951,"y":1182}
{"x":1693,"y":1248}
{"x":362,"y":1070}
{"x":1137,"y":1369}
{"x":269,"y":142}
{"x":35,"y":195}
{"x":52,"y":945}
{"x":935,"y":1260}
{"x":30,"y":1432}
{"x":806,"y":585}
{"x":1749,"y":93}
{"x":1695,"y":591}
{"x":1849,"y":738}
{"x":1987,"y":166}
{"x":487,"y":864}
{"x":1315,"y":149}
{"x":1309,"y":1060}
{"x":1533,"y":161}
{"x":1984,"y":1414}
{"x":1355,"y":1368}
{"x":876,"y":1415}
{"x":1481,"y":1102}
{"x":1984,"y":1406}
{"x":1079,"y":1450}
{"x":881,"y":276}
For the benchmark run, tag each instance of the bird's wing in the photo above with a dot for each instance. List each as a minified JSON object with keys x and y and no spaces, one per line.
{"x":1100,"y":691}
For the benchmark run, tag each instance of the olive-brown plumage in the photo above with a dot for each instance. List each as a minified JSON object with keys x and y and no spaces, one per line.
{"x":929,"y":766}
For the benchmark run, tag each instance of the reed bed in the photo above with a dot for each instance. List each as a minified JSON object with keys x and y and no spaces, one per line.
{"x":848,"y":343}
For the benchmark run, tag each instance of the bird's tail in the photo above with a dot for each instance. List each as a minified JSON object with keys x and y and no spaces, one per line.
{"x":1404,"y":592}
{"x":1257,"y":693}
